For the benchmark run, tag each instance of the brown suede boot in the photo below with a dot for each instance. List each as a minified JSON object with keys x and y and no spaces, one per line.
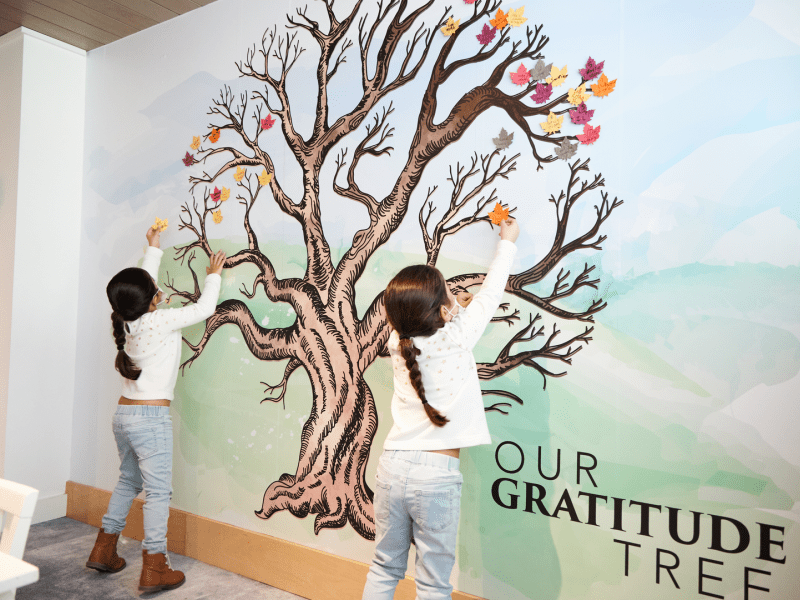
{"x":157,"y":574}
{"x":104,"y":555}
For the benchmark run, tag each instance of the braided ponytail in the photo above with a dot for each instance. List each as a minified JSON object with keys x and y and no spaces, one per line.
{"x":123,"y":363}
{"x":129,"y":292}
{"x":409,"y":352}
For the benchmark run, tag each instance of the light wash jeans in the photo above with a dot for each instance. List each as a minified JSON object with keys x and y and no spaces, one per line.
{"x":417,"y":497}
{"x":144,"y":441}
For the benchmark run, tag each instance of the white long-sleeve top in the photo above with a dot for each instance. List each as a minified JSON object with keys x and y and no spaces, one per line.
{"x":153,"y":341}
{"x":449,"y":373}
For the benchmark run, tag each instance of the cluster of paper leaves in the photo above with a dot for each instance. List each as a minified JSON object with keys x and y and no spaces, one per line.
{"x":240,"y":172}
{"x":498,"y":214}
{"x":542,"y":93}
{"x":486,"y":35}
{"x":581,"y":115}
{"x":217,"y":214}
{"x":161,"y":225}
{"x":566,"y":150}
{"x":590,"y":134}
{"x":521,"y":76}
{"x":268,"y":122}
{"x":214,"y":135}
{"x":264,"y":178}
{"x":553,"y":122}
{"x":195,"y":142}
{"x":603,"y":87}
{"x":188,"y":160}
{"x":451,"y":26}
{"x":557,"y":76}
{"x":592,"y":69}
{"x":503,"y":140}
{"x":578,"y":95}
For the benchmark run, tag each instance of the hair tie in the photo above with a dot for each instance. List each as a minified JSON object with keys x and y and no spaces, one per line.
{"x":424,"y":401}
{"x":120,"y":347}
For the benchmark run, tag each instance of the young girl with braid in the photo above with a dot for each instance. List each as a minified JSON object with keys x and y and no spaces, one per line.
{"x":437,"y":409}
{"x":148,"y":355}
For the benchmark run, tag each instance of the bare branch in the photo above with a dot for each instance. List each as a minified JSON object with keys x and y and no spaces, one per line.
{"x":282,"y":385}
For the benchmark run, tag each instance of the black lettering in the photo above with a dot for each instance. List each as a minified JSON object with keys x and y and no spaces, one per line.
{"x":618,"y":513}
{"x":659,"y":566}
{"x":673,"y":526}
{"x":529,"y":499}
{"x":558,"y":465}
{"x":716,"y":535}
{"x":704,"y":576}
{"x":570,"y":508}
{"x":747,"y":586}
{"x":627,"y":547}
{"x":496,"y":494}
{"x":592,"y":506}
{"x":587,"y":469}
{"x":766,"y":542}
{"x":645,"y":522}
{"x":521,"y":457}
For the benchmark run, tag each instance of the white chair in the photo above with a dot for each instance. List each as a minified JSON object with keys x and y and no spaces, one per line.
{"x":17,"y":502}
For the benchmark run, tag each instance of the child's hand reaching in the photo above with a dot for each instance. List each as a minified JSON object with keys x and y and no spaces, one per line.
{"x":509,"y":230}
{"x":217,"y":261}
{"x":153,"y":236}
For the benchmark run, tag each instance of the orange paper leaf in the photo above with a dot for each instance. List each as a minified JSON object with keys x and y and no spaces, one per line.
{"x":214,"y":136}
{"x":499,"y":214}
{"x":603,"y":87}
{"x":500,"y":20}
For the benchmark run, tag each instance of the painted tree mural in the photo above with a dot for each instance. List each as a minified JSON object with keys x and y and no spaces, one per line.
{"x":328,"y":339}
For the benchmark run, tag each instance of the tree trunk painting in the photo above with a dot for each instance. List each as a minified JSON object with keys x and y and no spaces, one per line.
{"x":329,"y":340}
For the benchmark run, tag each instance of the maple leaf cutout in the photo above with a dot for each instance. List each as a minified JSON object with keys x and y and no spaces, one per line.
{"x":486,"y":35}
{"x":499,"y":214}
{"x":543,"y":93}
{"x":161,"y":225}
{"x":515,"y":18}
{"x":590,"y":134}
{"x":451,"y":26}
{"x":188,"y":160}
{"x":195,"y":142}
{"x":500,"y":19}
{"x":214,"y":136}
{"x":264,"y":178}
{"x":521,"y":76}
{"x":592,"y":69}
{"x":603,"y":87}
{"x":557,"y":76}
{"x":224,"y":194}
{"x":581,"y":115}
{"x":217,"y":216}
{"x":540,"y":70}
{"x":215,"y":195}
{"x":577,"y":96}
{"x":503,"y":140}
{"x":553,"y":123}
{"x":268,"y":122}
{"x":566,"y":150}
{"x":239,"y":174}
{"x":469,"y":1}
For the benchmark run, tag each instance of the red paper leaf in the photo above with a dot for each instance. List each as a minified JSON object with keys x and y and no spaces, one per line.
{"x":592,"y":69}
{"x":581,"y":115}
{"x":188,"y":160}
{"x":590,"y":134}
{"x":487,"y":35}
{"x":268,"y":122}
{"x":543,"y":93}
{"x":521,"y":76}
{"x":216,"y":194}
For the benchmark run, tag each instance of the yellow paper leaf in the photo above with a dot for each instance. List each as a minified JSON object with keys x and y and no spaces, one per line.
{"x":577,"y":96}
{"x":553,"y":123}
{"x":451,"y":26}
{"x":264,"y":178}
{"x":161,"y":225}
{"x":195,"y":142}
{"x":239,"y":174}
{"x":515,"y":18}
{"x":224,"y":194}
{"x":217,"y":216}
{"x":557,"y":76}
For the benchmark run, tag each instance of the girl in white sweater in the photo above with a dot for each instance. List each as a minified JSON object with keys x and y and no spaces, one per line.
{"x":437,"y":409}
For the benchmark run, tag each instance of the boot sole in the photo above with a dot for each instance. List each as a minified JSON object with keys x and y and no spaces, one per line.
{"x":104,"y":568}
{"x":159,"y":588}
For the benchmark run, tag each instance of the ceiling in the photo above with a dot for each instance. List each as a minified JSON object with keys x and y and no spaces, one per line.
{"x":89,"y":24}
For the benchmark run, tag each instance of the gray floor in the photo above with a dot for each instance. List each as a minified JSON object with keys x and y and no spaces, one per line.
{"x":61,"y":547}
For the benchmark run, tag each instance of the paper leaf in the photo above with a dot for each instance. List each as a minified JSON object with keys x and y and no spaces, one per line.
{"x":557,"y":76}
{"x":214,"y":136}
{"x":469,"y":1}
{"x":503,"y":140}
{"x":500,"y":19}
{"x":499,"y":214}
{"x":566,"y":150}
{"x":217,"y":216}
{"x":239,"y":174}
{"x":540,"y":70}
{"x":521,"y":76}
{"x":543,"y":93}
{"x":592,"y":69}
{"x":451,"y":26}
{"x":581,"y":115}
{"x":215,"y":195}
{"x":603,"y":87}
{"x":515,"y":18}
{"x":188,"y":160}
{"x":268,"y":122}
{"x":553,"y":122}
{"x":264,"y":178}
{"x":224,"y":194}
{"x":161,"y":225}
{"x":487,"y":35}
{"x":577,"y":96}
{"x":590,"y":134}
{"x":195,"y":142}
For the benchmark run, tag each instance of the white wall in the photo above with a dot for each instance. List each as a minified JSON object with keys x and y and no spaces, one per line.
{"x":44,"y":304}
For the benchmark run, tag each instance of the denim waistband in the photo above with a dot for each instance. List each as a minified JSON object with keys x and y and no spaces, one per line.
{"x":423,"y":457}
{"x":142,"y":410}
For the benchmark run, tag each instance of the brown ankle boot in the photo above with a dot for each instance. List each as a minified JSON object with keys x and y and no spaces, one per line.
{"x":104,"y":555}
{"x":157,"y":574}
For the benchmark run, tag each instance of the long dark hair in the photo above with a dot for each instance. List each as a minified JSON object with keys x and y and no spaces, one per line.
{"x":413,"y":301}
{"x":130,"y":292}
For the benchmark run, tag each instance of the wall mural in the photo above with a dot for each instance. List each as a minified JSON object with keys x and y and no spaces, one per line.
{"x":329,"y":340}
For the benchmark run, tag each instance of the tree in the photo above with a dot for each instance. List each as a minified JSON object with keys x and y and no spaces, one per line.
{"x":328,"y":340}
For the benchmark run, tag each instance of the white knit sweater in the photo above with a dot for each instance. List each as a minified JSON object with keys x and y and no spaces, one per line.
{"x":449,"y":373}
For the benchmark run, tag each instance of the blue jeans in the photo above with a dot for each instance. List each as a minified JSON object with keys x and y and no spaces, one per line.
{"x":417,"y":497}
{"x":144,"y":441}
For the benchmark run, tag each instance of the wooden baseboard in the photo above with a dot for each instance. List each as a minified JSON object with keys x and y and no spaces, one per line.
{"x":304,"y":571}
